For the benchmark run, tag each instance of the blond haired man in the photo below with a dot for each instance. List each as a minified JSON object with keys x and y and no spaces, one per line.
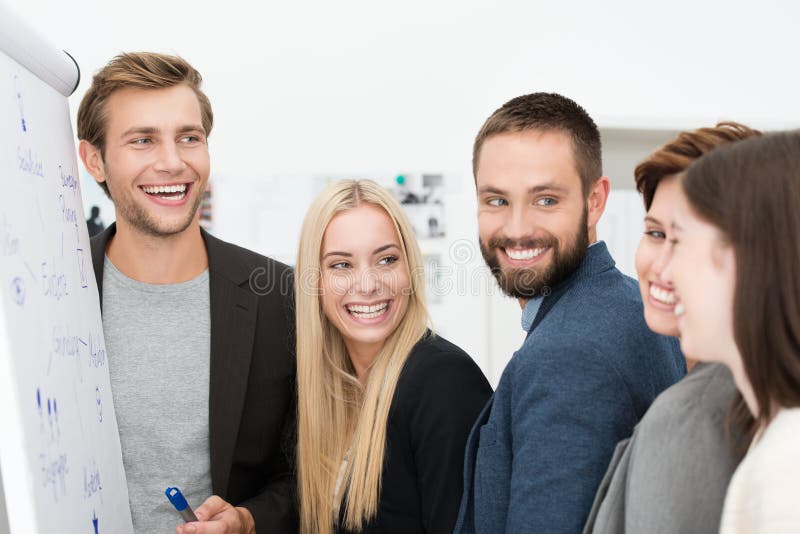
{"x":200,"y":359}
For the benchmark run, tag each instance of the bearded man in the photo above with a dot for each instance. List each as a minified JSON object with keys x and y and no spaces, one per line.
{"x":589,"y":367}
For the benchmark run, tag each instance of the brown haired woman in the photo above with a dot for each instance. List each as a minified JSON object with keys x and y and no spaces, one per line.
{"x":735,"y":259}
{"x":681,"y":441}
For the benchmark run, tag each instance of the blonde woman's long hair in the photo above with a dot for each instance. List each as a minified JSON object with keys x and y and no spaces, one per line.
{"x":336,"y":414}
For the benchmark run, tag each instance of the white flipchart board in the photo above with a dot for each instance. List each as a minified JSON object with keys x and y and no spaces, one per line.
{"x":60,"y":456}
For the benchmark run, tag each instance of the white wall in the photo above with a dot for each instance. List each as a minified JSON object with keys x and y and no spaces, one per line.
{"x":308,"y":88}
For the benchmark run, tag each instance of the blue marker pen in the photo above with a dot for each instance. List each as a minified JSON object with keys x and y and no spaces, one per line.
{"x":179,"y":502}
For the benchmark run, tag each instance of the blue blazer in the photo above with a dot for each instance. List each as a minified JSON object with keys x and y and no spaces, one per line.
{"x":586,"y":373}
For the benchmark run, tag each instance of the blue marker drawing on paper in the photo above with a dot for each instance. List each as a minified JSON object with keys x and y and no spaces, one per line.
{"x":91,"y":482}
{"x":94,"y":522}
{"x":82,"y":269}
{"x":54,"y":282}
{"x":29,"y":162}
{"x":18,"y":291}
{"x":9,"y":242}
{"x":99,"y":401}
{"x":64,"y":345}
{"x":20,"y":104}
{"x":97,"y":353}
{"x":68,"y":180}
{"x":50,"y":418}
{"x":54,"y":465}
{"x":54,"y":470}
{"x":68,"y":214}
{"x":39,"y":409}
{"x":55,"y":417}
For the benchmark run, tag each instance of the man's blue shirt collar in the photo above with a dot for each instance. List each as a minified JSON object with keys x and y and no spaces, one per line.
{"x":530,"y":311}
{"x":533,"y":305}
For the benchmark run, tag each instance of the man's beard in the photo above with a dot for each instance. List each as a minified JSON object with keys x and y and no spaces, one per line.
{"x":138,"y":217}
{"x":530,"y":282}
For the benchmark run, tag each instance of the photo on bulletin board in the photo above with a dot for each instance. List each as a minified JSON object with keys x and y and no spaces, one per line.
{"x":268,"y":219}
{"x":422,"y":197}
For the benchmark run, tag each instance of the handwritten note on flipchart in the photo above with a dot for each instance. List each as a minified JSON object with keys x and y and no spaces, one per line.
{"x":60,"y":455}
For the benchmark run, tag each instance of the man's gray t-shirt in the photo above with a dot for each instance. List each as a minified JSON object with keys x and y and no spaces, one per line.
{"x":158,"y":340}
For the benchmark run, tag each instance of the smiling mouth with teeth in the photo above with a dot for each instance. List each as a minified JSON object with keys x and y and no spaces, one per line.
{"x":166,"y":192}
{"x":664,"y":296}
{"x":524,"y":254}
{"x":367,"y":312}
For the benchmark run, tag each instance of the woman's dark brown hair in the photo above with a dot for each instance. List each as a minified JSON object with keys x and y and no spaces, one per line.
{"x":678,"y":154}
{"x":750,"y":191}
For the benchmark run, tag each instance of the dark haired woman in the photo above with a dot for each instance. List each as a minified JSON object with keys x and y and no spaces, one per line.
{"x":734,"y":264}
{"x":681,"y":442}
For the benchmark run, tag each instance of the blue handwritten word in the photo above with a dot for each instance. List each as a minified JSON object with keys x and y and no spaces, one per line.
{"x":97,"y":353}
{"x":54,"y":284}
{"x":64,"y":344}
{"x":68,"y":181}
{"x":18,"y":291}
{"x":29,"y":162}
{"x":68,"y":214}
{"x":91,"y":481}
{"x":54,"y":473}
{"x":9,"y":243}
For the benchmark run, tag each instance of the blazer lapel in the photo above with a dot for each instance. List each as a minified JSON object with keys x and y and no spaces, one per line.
{"x":98,"y":245}
{"x":233,"y":325}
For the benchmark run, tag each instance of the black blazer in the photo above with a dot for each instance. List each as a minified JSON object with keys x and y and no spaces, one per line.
{"x":252,"y":397}
{"x":440,"y":393}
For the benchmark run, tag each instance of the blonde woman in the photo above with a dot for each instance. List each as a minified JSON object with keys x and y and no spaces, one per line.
{"x":384,"y":405}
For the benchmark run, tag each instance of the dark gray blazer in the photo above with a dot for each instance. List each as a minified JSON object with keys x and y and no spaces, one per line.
{"x":672,"y":474}
{"x":252,"y":398}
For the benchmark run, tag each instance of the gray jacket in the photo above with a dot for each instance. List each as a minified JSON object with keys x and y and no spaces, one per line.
{"x":672,"y":474}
